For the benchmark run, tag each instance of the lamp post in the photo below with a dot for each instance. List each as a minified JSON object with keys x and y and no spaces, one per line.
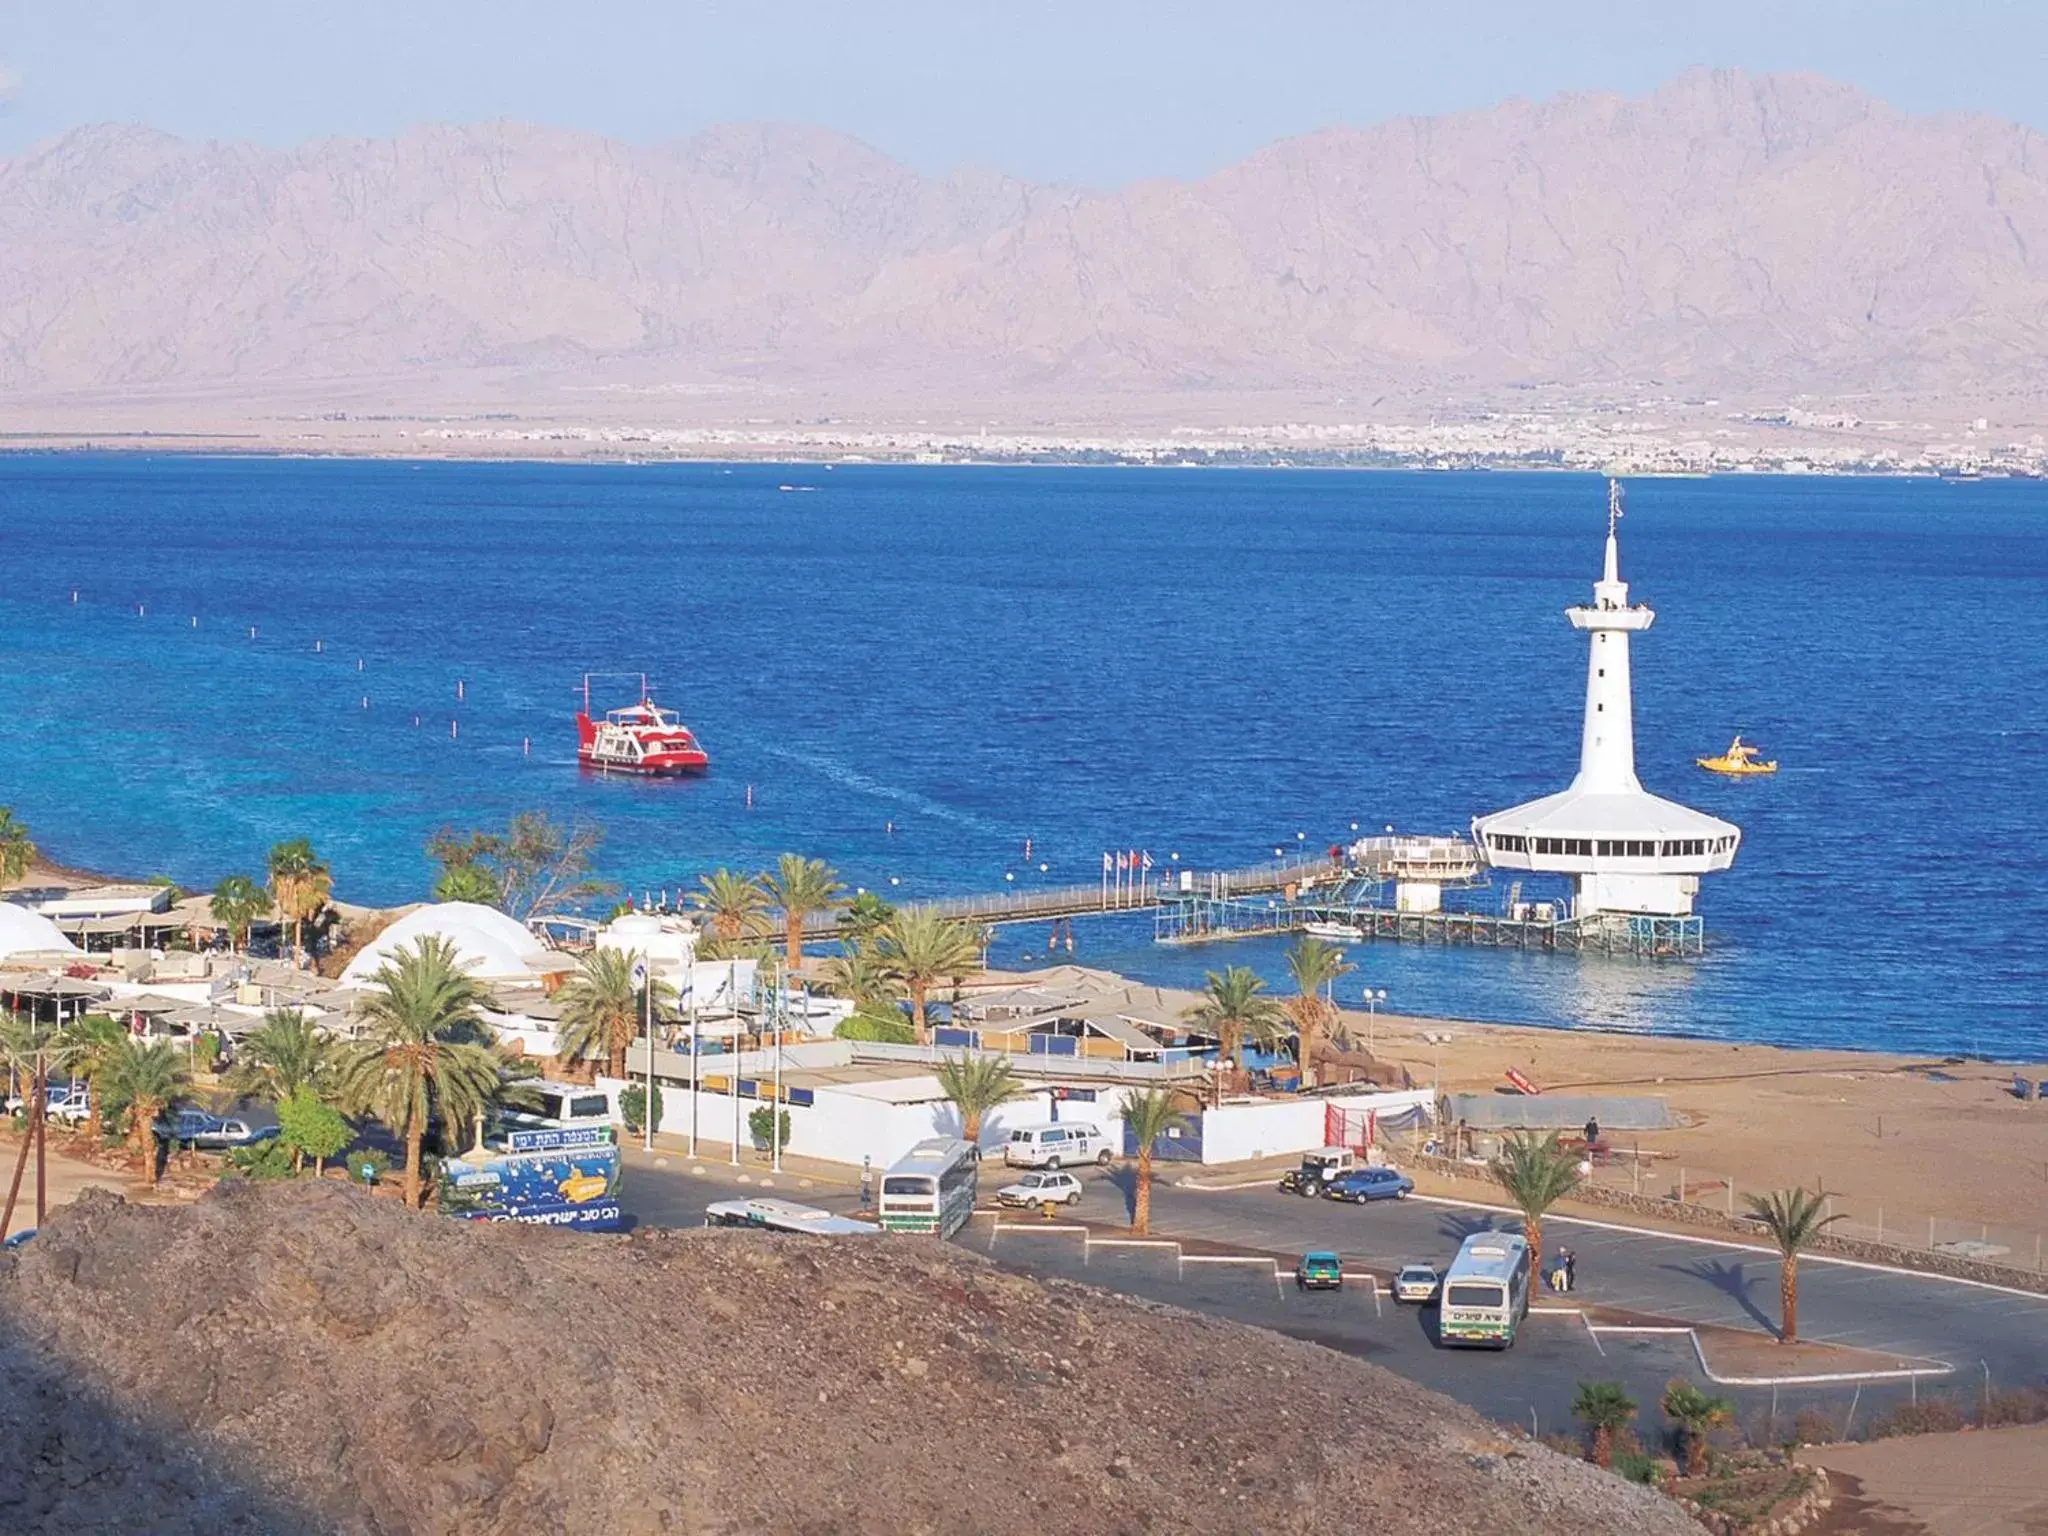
{"x":643,"y":978}
{"x":1372,"y":998}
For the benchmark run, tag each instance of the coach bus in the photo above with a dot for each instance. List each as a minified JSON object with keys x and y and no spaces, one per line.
{"x":1486,"y":1291}
{"x":932,"y":1189}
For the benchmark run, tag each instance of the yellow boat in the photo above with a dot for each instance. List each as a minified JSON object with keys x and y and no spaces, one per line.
{"x":579,"y":1188}
{"x":1738,"y":760}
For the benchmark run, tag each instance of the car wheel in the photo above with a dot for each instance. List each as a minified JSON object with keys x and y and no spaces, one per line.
{"x":1053,"y":1163}
{"x":1073,"y":1197}
{"x":1102,"y":1158}
{"x":1306,"y":1191}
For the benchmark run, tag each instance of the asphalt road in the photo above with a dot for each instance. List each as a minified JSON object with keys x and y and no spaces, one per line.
{"x":1699,"y":1281}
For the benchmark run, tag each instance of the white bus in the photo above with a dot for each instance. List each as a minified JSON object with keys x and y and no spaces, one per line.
{"x":1486,"y":1291}
{"x":932,"y":1189}
{"x":785,"y":1216}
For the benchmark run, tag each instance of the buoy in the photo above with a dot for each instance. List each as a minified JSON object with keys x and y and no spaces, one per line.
{"x":451,"y":730}
{"x":252,"y":631}
{"x":195,"y":621}
{"x":1027,"y":850}
{"x":141,"y":611}
{"x":750,"y":797}
{"x":415,"y":722}
{"x":74,"y":594}
{"x":319,"y":645}
{"x":526,"y":746}
{"x":458,"y":690}
{"x":359,"y":663}
{"x":366,"y":701}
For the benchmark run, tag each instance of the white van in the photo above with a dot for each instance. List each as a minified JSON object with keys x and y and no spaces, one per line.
{"x":1064,"y":1145}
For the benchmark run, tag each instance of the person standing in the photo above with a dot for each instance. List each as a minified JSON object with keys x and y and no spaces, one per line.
{"x":1592,"y":1131}
{"x":867,"y":1183}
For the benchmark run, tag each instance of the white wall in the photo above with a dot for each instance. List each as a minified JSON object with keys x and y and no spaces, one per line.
{"x":1243,"y":1132}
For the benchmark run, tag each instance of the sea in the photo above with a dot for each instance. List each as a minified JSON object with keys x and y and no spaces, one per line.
{"x":920,"y":672}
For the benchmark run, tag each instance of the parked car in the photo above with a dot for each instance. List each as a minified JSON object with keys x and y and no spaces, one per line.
{"x":1041,"y":1188}
{"x":18,"y":1240}
{"x":210,"y":1132}
{"x":1317,"y":1169}
{"x":1066,"y":1144}
{"x":1363,"y":1184}
{"x":61,"y":1101}
{"x":1417,"y":1283}
{"x":1319,"y":1271}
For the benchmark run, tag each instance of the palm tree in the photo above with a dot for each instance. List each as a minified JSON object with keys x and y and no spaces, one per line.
{"x":861,"y":979}
{"x":1536,"y":1173}
{"x":1793,"y":1218}
{"x":602,"y":1007}
{"x":94,"y":1039}
{"x":978,"y":1084}
{"x":299,"y":885}
{"x":145,"y":1078}
{"x":733,"y":903}
{"x":17,"y":850}
{"x":1695,"y":1413}
{"x":282,"y":1056}
{"x":467,"y":882}
{"x":863,"y":919}
{"x":1603,"y":1407}
{"x":423,"y":1051}
{"x":918,"y":947}
{"x":799,"y":886}
{"x":237,"y":902}
{"x":1147,"y":1117}
{"x":1230,"y":1009}
{"x":1314,"y":966}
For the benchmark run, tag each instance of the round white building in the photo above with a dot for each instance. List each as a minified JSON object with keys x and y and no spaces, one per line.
{"x":1628,"y":852}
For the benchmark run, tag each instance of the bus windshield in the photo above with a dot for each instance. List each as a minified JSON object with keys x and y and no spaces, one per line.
{"x":908,"y":1184}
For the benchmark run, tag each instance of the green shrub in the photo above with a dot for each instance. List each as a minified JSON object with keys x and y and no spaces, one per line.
{"x":868,"y":1026}
{"x":205,"y":1052}
{"x":270,"y":1159}
{"x":2025,"y":1405}
{"x":761,"y":1126}
{"x":633,"y":1106}
{"x":1639,"y":1467}
{"x":373,"y":1159}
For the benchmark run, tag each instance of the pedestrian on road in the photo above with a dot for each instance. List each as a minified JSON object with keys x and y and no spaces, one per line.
{"x":1592,"y":1131}
{"x":867,"y":1183}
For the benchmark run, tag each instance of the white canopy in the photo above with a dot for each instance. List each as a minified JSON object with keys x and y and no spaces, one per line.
{"x":490,"y":945}
{"x":23,"y":932}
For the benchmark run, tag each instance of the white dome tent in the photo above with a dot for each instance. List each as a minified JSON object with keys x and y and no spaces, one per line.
{"x":489,"y":945}
{"x":23,"y":932}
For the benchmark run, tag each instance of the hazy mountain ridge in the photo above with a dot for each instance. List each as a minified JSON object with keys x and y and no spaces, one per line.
{"x":1728,"y":231}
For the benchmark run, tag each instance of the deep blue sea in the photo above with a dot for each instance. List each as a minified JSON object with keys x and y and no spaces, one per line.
{"x":1202,"y":663}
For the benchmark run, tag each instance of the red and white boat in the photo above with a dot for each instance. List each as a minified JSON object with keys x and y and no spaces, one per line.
{"x":641,"y":738}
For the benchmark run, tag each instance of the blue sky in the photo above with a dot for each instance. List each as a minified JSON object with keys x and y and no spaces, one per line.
{"x":1098,"y":93}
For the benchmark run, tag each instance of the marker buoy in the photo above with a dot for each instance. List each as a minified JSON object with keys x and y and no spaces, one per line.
{"x":526,"y":746}
{"x":195,"y":621}
{"x":252,"y":631}
{"x":415,"y":722}
{"x":359,"y":663}
{"x":750,"y":797}
{"x":319,"y":645}
{"x":451,"y":730}
{"x":74,"y":594}
{"x":366,"y":701}
{"x":141,"y":611}
{"x":458,"y":690}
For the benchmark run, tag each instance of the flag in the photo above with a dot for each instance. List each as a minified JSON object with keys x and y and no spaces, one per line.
{"x":1106,"y":866}
{"x":1148,"y":860}
{"x":1122,"y":860}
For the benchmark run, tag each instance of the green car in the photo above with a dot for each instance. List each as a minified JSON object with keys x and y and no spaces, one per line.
{"x":1319,"y":1272}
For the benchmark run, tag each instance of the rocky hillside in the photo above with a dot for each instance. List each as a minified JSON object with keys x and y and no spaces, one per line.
{"x":283,"y":1358}
{"x":1727,"y":232}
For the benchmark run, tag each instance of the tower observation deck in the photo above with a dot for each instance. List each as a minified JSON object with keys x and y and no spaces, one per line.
{"x":1628,"y":852}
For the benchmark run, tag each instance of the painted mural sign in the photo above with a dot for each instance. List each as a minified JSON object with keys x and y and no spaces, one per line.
{"x":571,"y":1182}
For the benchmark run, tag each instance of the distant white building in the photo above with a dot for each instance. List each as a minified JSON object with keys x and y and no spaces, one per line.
{"x":1627,"y":851}
{"x":490,"y":945}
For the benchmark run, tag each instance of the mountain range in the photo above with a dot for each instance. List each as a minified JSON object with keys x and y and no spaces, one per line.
{"x":1728,"y":232}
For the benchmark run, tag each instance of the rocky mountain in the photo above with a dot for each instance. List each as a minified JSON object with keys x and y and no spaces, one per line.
{"x":308,"y":1358}
{"x":1727,"y":232}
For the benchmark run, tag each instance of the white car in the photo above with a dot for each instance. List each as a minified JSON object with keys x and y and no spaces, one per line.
{"x":1053,"y":1188}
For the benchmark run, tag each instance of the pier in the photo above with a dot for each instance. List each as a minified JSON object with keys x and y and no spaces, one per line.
{"x":1198,"y":919}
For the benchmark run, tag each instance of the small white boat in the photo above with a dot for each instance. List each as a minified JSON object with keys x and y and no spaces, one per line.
{"x":1333,"y":932}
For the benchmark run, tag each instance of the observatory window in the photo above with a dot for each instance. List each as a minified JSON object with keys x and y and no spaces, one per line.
{"x":1600,"y":709}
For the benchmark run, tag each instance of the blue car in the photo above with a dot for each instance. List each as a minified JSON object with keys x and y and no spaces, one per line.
{"x":1363,"y":1184}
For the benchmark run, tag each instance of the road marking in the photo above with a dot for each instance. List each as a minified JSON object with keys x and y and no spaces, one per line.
{"x":1771,"y":1253}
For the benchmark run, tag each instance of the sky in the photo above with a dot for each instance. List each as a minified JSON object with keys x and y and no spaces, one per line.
{"x":1099,"y":93}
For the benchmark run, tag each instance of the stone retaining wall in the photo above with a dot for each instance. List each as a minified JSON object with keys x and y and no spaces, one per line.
{"x":1716,"y":1220}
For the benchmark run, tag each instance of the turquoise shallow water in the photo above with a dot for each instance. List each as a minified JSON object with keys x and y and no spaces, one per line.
{"x":1205,"y":663}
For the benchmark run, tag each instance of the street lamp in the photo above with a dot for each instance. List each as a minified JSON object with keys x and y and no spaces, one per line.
{"x":1372,"y":999}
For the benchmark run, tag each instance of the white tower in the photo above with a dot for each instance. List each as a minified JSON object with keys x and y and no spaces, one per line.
{"x":1628,"y":851}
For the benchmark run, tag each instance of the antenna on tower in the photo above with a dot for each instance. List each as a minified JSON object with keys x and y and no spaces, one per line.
{"x":1613,"y":505}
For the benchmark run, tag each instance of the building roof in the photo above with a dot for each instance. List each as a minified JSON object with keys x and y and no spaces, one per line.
{"x":1627,"y":814}
{"x":489,"y":944}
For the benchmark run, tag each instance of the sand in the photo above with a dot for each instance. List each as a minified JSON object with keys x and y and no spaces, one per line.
{"x":1978,"y":1483}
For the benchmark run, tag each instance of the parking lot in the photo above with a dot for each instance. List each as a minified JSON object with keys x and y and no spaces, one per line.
{"x":1700,"y":1282}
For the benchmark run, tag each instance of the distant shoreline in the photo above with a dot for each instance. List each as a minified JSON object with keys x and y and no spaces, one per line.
{"x":144,"y":445}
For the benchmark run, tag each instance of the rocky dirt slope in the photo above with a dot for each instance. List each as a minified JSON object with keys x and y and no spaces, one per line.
{"x":307,"y":1358}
